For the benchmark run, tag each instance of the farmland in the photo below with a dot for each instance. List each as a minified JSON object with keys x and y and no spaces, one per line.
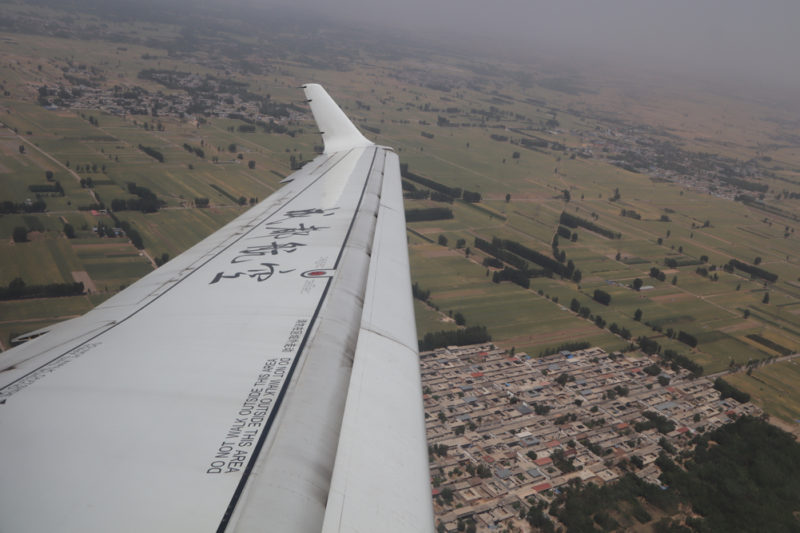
{"x":531,"y":151}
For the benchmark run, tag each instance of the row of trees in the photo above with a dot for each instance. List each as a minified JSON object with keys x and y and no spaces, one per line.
{"x":430,"y":213}
{"x":196,"y":150}
{"x":573,"y":222}
{"x":520,"y":277}
{"x":679,"y":360}
{"x":152,"y":152}
{"x":754,"y":271}
{"x":461,"y":336}
{"x":18,"y":289}
{"x":54,"y":188}
{"x":7,"y":207}
{"x":147,"y":201}
{"x":441,"y":193}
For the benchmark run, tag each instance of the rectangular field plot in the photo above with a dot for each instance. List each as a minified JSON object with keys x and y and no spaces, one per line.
{"x":773,"y":388}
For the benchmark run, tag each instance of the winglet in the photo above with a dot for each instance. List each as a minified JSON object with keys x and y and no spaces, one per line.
{"x":338,"y":133}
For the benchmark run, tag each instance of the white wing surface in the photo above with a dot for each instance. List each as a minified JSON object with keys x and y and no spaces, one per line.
{"x":264,"y":380}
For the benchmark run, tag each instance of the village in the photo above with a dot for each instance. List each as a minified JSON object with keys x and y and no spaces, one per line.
{"x":506,"y":430}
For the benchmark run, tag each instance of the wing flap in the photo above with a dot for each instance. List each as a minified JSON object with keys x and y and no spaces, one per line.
{"x":382,"y":455}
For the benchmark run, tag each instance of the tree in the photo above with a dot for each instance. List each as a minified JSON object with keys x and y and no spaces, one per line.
{"x":251,"y":164}
{"x":69,"y":231}
{"x":442,"y":240}
{"x":675,"y":280}
{"x":637,"y":284}
{"x":637,"y":315}
{"x":508,"y":197}
{"x":48,"y":174}
{"x":232,"y":147}
{"x":20,"y":234}
{"x":746,"y":313}
{"x":765,"y":300}
{"x":22,"y":148}
{"x":602,"y":297}
{"x":459,"y":318}
{"x":757,"y":261}
{"x":447,"y":494}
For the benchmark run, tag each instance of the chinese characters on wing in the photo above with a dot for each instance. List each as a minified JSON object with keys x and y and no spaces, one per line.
{"x":275,"y":231}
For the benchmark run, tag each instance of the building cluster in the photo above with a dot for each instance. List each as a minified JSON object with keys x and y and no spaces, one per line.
{"x":639,"y":149}
{"x":505,"y":429}
{"x":186,"y":95}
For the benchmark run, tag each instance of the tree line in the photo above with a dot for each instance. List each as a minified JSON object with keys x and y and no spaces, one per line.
{"x":573,"y":222}
{"x":152,"y":152}
{"x":18,"y":289}
{"x":754,"y":271}
{"x":147,"y":201}
{"x":430,"y":213}
{"x":459,"y":337}
{"x":7,"y":207}
{"x":450,"y":193}
{"x":54,"y":188}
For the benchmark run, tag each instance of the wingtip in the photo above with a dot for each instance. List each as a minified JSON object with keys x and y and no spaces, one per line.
{"x":338,"y":131}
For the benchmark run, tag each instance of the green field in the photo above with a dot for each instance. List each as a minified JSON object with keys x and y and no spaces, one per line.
{"x":774,"y":389}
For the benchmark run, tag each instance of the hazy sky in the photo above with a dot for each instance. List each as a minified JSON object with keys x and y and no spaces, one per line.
{"x":732,"y":38}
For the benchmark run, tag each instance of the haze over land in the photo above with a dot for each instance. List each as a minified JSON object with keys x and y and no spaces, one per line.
{"x":723,"y":40}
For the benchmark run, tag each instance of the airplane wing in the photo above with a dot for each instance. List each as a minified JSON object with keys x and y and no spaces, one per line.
{"x":264,"y":380}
